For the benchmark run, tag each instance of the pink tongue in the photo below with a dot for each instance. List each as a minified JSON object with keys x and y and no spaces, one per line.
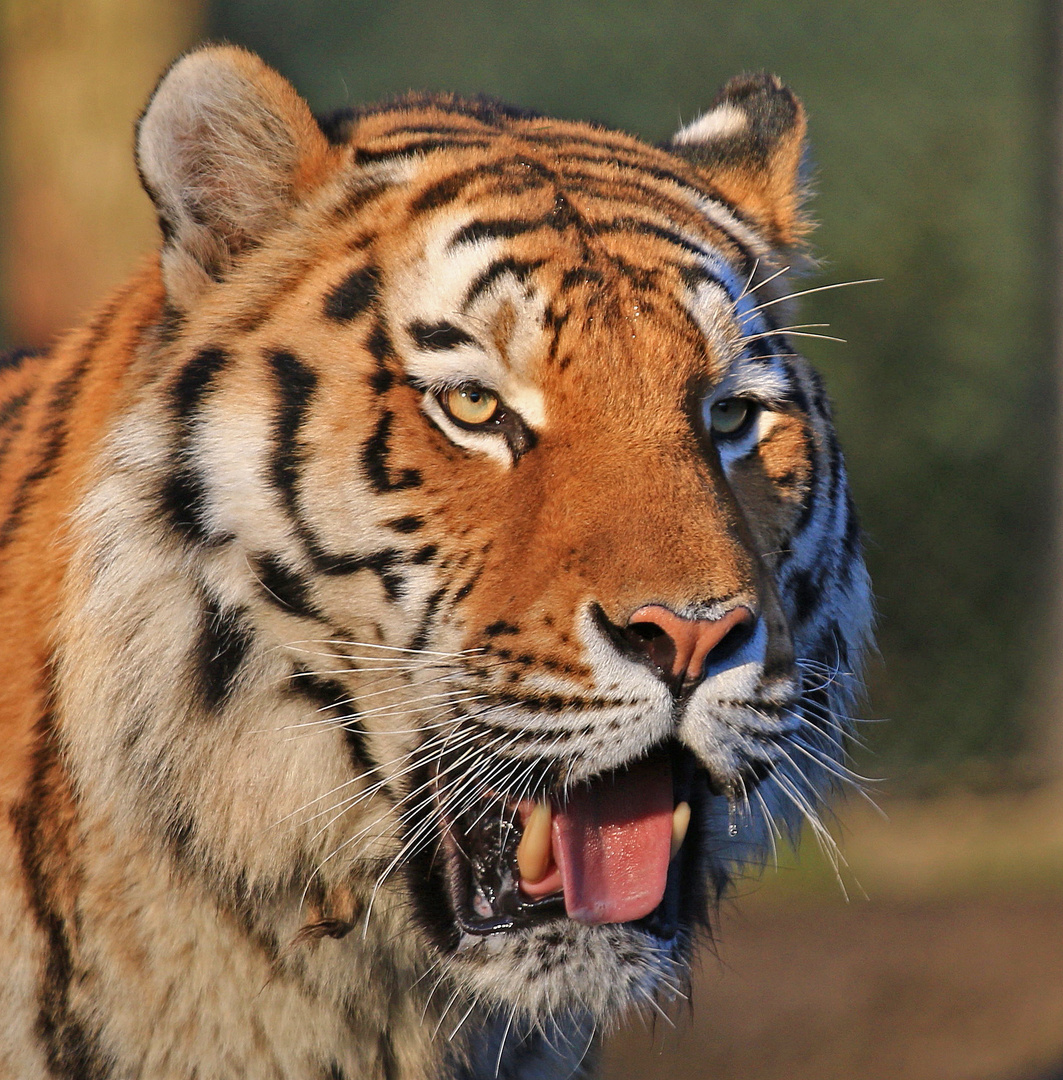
{"x":611,"y":843}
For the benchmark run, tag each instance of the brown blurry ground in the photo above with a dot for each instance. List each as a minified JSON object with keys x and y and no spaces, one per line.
{"x":950,"y":968}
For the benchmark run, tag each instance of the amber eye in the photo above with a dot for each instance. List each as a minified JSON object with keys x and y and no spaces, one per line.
{"x":471,"y":405}
{"x":731,"y":416}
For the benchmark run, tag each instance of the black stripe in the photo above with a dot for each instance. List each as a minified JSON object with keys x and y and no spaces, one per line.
{"x":178,"y":832}
{"x":641,"y":277}
{"x":182,"y":494}
{"x":439,"y":336}
{"x":519,"y":268}
{"x":296,"y":384}
{"x":182,"y":498}
{"x":333,"y":699}
{"x":47,"y":848}
{"x":629,"y":225}
{"x":556,"y":323}
{"x":196,"y":380}
{"x":468,"y":586}
{"x":407,"y":524}
{"x":806,"y":592}
{"x":380,"y":348}
{"x":381,"y":380}
{"x":380,"y":562}
{"x":379,"y":343}
{"x":364,"y":156}
{"x":375,"y":453}
{"x":10,"y":361}
{"x":53,"y":437}
{"x":358,"y":199}
{"x":853,"y":533}
{"x":519,"y":169}
{"x":633,"y":186}
{"x":487,"y":110}
{"x":814,"y":493}
{"x":171,"y":323}
{"x":285,"y":586}
{"x":431,"y":129}
{"x":389,"y":1065}
{"x":444,"y":191}
{"x":10,"y":418}
{"x":225,"y":638}
{"x":295,"y":387}
{"x":561,"y":217}
{"x":498,"y":229}
{"x":696,"y":275}
{"x":627,"y":158}
{"x":11,"y":408}
{"x":420,"y":637}
{"x":358,"y":291}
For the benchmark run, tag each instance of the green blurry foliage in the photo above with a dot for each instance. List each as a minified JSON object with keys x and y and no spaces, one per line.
{"x":929,"y":166}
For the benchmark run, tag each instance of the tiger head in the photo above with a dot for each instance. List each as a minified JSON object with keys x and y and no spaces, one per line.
{"x":474,"y":566}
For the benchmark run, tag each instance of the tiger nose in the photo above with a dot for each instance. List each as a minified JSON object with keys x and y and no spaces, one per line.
{"x":679,"y":647}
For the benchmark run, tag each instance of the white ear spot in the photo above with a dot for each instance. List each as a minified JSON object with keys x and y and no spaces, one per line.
{"x":721,"y":123}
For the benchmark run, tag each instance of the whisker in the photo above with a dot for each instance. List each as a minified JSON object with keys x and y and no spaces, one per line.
{"x":383,"y":648}
{"x":794,"y":333}
{"x":817,"y":289}
{"x":760,"y":284}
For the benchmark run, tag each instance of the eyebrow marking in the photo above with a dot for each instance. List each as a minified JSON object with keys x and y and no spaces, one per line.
{"x":438,"y":336}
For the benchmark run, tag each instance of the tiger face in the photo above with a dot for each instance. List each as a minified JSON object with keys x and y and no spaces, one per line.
{"x":467,"y":571}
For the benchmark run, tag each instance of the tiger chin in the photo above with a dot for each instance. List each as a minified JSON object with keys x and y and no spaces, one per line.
{"x":423,"y":583}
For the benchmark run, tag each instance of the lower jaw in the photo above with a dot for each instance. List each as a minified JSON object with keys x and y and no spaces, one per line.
{"x":662,"y":923}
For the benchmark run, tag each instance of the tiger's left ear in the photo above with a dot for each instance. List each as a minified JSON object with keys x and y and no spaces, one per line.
{"x":225,"y":148}
{"x":749,"y":145}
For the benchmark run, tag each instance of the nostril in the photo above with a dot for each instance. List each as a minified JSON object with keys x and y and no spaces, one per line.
{"x":652,"y":641}
{"x":681,"y":647}
{"x":732,"y":642}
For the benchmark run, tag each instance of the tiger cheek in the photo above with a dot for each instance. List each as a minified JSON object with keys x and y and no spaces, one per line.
{"x":772,"y":484}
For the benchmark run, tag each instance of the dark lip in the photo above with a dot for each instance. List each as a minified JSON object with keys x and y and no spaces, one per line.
{"x":513,"y":911}
{"x":498,"y":881}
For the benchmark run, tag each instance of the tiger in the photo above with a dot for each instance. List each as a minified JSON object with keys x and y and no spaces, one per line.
{"x":426,"y":583}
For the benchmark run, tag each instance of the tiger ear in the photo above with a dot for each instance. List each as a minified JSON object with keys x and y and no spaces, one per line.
{"x":749,"y":145}
{"x":225,"y":147}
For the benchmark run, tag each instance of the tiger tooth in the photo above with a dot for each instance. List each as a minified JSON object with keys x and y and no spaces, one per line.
{"x":680,"y":824}
{"x":533,"y":853}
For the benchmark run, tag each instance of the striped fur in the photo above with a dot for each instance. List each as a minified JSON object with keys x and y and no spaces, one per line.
{"x":270,"y":611}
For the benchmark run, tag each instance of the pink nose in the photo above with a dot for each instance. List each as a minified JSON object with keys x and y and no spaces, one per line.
{"x":680,"y":647}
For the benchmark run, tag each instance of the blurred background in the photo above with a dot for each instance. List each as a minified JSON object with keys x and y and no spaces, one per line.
{"x":935,"y":165}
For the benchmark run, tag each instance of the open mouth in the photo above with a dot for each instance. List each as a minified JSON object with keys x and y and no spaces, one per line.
{"x":607,"y":850}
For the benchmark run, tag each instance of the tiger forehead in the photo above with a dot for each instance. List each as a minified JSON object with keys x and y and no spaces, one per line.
{"x":517,"y":314}
{"x":508,"y":271}
{"x":454,"y":125}
{"x":472,"y":151}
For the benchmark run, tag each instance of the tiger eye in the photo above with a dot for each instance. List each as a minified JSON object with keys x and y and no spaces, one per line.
{"x":729,"y":416}
{"x":471,"y":404}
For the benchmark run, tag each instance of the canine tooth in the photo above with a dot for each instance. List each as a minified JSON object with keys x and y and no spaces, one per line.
{"x":680,"y":824}
{"x":533,"y":853}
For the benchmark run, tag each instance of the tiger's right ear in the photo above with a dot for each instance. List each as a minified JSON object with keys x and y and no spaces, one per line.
{"x":225,"y":147}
